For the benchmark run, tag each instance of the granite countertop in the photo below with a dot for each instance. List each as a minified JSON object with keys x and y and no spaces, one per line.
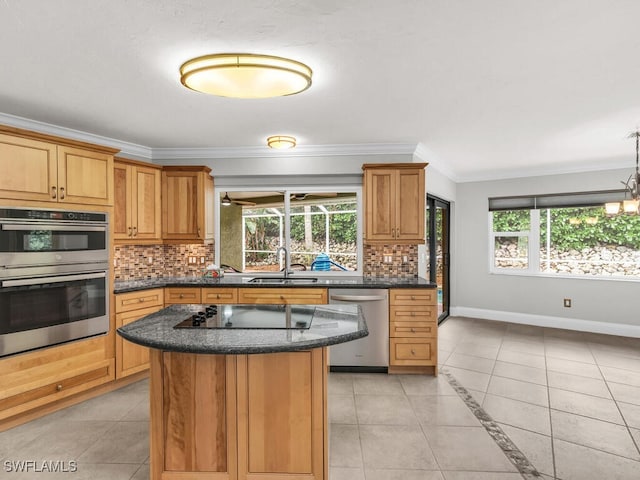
{"x":243,"y":281}
{"x":330,"y":324}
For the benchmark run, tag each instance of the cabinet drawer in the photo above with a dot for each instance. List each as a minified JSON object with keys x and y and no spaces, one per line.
{"x":219,"y":295}
{"x":62,"y":387}
{"x":413,"y":329}
{"x":412,"y":296}
{"x":408,"y":313}
{"x":409,"y":351}
{"x":181,"y":295}
{"x":126,"y":302}
{"x":300,"y":296}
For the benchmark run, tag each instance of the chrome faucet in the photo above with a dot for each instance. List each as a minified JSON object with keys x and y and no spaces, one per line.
{"x":286,"y":260}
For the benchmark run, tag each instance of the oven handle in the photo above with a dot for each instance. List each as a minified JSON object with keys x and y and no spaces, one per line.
{"x":40,"y":226}
{"x":62,"y":278}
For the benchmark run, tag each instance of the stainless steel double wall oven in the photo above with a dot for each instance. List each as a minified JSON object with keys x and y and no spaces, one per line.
{"x":54,"y":277}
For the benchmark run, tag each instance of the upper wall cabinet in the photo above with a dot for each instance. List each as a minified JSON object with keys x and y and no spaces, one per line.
{"x":187,"y":204}
{"x":43,"y":168}
{"x":137,"y":208}
{"x":394,"y":203}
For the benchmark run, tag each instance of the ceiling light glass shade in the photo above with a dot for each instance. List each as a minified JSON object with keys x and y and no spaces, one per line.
{"x":245,"y":75}
{"x":630,"y":206}
{"x":281,"y":141}
{"x":226,"y":201}
{"x":612,"y":208}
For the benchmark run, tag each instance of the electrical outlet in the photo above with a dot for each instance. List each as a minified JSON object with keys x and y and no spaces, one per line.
{"x":202,"y":260}
{"x":567,"y":303}
{"x":405,"y":259}
{"x":150,"y":260}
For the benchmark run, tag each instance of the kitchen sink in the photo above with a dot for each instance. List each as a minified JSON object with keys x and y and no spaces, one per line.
{"x":283,"y":281}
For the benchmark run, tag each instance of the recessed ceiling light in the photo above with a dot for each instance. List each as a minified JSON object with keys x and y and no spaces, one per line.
{"x":245,"y":75}
{"x":281,"y":141}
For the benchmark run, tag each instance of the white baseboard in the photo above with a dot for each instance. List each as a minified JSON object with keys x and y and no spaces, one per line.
{"x":622,"y":329}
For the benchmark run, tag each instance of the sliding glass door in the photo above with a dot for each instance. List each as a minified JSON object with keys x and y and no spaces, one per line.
{"x":437,"y":222}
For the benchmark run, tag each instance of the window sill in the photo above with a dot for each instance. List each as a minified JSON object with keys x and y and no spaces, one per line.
{"x":566,"y":277}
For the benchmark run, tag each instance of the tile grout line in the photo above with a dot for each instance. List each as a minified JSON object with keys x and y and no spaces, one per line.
{"x":513,"y":453}
{"x":552,"y":439}
{"x":615,"y":401}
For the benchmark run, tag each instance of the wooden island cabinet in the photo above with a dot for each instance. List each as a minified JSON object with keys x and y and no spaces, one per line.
{"x":241,"y":407}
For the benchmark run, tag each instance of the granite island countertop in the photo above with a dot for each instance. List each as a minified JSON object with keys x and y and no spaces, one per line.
{"x":329,"y":325}
{"x":337,"y":281}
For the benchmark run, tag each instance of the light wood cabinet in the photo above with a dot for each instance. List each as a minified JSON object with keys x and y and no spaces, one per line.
{"x":137,"y":207}
{"x":187,"y":205}
{"x":228,"y":417}
{"x":394,"y":198}
{"x":50,"y":172}
{"x":309,"y":296}
{"x":413,"y":331}
{"x":132,"y":358}
{"x":36,"y":379}
{"x":173,"y":295}
{"x":220,"y":295}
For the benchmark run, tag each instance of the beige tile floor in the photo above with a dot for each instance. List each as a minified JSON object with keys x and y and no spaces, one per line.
{"x":570,"y":401}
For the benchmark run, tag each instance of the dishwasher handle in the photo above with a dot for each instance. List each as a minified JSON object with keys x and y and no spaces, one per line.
{"x":358,"y":298}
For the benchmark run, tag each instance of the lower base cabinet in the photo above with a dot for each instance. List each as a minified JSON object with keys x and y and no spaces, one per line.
{"x":33,"y":380}
{"x":260,"y":416}
{"x":413,"y":331}
{"x":129,"y":307}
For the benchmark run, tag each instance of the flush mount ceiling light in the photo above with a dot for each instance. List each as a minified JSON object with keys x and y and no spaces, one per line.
{"x":281,"y":141}
{"x":632,"y":186}
{"x":245,"y":75}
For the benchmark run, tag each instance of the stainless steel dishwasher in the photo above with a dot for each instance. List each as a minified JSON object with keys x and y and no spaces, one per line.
{"x":371,"y":353}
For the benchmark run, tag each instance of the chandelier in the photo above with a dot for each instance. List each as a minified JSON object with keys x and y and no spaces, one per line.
{"x":631,"y":205}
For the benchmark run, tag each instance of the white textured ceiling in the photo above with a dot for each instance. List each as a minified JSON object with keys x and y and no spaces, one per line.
{"x":488,"y":87}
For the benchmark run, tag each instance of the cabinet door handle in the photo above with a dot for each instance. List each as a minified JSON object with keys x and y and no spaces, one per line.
{"x":413,"y":330}
{"x":129,"y":229}
{"x":135,"y":231}
{"x":217,"y":295}
{"x":61,"y":193}
{"x":413,"y":352}
{"x":54,"y":192}
{"x":413,"y":314}
{"x":59,"y":387}
{"x":393,"y":233}
{"x":199,"y":231}
{"x":181,"y":295}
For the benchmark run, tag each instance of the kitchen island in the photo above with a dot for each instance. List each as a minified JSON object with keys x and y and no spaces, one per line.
{"x":233,"y":400}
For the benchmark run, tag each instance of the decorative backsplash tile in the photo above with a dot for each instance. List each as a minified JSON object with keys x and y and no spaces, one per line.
{"x":134,"y":262}
{"x":404,"y":261}
{"x":148,"y":261}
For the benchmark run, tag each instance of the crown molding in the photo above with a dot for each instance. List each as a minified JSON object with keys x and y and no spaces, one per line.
{"x":424,"y":154}
{"x":299,"y":151}
{"x":126,"y":148}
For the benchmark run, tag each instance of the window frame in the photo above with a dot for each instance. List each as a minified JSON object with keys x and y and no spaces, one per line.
{"x":287,"y":191}
{"x":534,"y":238}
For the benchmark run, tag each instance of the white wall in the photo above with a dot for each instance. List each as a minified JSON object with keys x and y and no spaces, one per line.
{"x":608,"y":306}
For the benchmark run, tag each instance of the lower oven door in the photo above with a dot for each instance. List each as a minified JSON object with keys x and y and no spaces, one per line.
{"x":44,"y":311}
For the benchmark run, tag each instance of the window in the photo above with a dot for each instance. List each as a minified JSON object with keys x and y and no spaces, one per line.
{"x":567,"y":234}
{"x":320,"y":229}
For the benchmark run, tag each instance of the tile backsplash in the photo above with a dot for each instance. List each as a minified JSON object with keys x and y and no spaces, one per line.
{"x":134,"y":262}
{"x":402,"y":261}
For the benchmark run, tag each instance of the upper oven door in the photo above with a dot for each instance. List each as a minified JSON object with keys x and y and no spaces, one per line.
{"x":41,"y":243}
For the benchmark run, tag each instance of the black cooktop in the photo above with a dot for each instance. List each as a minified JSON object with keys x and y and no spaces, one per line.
{"x":251,"y":317}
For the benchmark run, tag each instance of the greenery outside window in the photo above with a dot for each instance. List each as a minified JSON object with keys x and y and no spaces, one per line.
{"x":320,"y":230}
{"x":568,"y":235}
